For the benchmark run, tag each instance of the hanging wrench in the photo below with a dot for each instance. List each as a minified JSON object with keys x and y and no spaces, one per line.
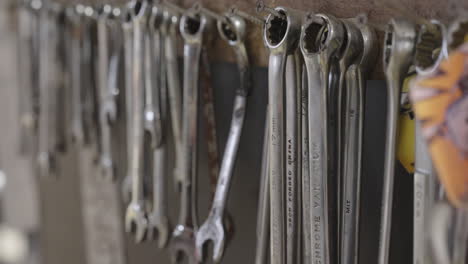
{"x":106,"y":107}
{"x":193,"y":26}
{"x":263,"y":216}
{"x":322,"y":37}
{"x":400,"y":39}
{"x":280,"y":36}
{"x":135,"y":219}
{"x":424,"y":176}
{"x":173,"y":81}
{"x":353,"y":141}
{"x":158,"y":222}
{"x":213,"y":229}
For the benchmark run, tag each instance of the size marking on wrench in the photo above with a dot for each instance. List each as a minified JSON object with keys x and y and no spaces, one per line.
{"x":321,"y":39}
{"x":213,"y":228}
{"x":135,"y":218}
{"x":193,"y":26}
{"x":280,"y":36}
{"x":400,"y":39}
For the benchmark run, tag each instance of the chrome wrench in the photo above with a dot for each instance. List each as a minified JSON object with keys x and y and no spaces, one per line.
{"x":400,"y":39}
{"x":321,"y":39}
{"x":135,"y":218}
{"x":280,"y":35}
{"x":193,"y":26}
{"x":232,"y":30}
{"x":353,"y":142}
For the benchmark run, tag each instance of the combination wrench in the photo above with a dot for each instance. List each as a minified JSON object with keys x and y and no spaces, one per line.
{"x":193,"y":26}
{"x":322,"y":36}
{"x":400,"y":39}
{"x":353,"y":138}
{"x":158,"y":221}
{"x":135,"y":218}
{"x":280,"y":35}
{"x":233,"y":30}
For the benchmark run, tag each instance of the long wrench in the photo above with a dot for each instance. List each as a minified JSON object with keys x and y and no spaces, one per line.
{"x":321,"y":38}
{"x":400,"y":39}
{"x":280,"y":35}
{"x":135,"y":219}
{"x":353,"y":142}
{"x":158,"y":221}
{"x":193,"y":26}
{"x":213,"y":228}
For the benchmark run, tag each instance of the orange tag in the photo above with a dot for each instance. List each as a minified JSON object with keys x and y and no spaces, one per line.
{"x":440,"y":101}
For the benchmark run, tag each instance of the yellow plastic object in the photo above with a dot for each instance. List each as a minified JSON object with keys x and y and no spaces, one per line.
{"x":405,"y":141}
{"x":441,"y":103}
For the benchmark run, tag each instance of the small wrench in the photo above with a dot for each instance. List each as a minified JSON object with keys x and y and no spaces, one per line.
{"x":193,"y":26}
{"x":135,"y":219}
{"x":213,"y":229}
{"x":158,"y":222}
{"x":280,"y":35}
{"x":353,"y":141}
{"x":322,"y":37}
{"x":400,"y":39}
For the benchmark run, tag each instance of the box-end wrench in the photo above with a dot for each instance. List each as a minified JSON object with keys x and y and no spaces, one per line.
{"x":353,"y":142}
{"x":280,"y":35}
{"x":135,"y":218}
{"x":158,"y":221}
{"x":321,"y":39}
{"x":233,"y":30}
{"x":399,"y":47}
{"x":263,"y":216}
{"x":173,"y":82}
{"x":424,"y":175}
{"x":106,"y":106}
{"x":193,"y":26}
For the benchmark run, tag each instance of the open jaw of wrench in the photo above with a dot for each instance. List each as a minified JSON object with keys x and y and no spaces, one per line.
{"x":135,"y":218}
{"x":353,"y":141}
{"x":170,"y":31}
{"x":424,"y":175}
{"x":158,"y":221}
{"x":400,"y":39}
{"x":213,"y":229}
{"x":193,"y":26}
{"x":281,"y":37}
{"x":322,"y":37}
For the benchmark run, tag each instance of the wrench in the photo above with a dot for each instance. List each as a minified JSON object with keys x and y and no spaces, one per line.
{"x":400,"y":39}
{"x":135,"y":219}
{"x":353,"y":142}
{"x":280,"y":35}
{"x":193,"y":25}
{"x":106,"y":104}
{"x":173,"y":81}
{"x":322,"y":36}
{"x":213,"y":229}
{"x":263,"y":216}
{"x":158,"y":222}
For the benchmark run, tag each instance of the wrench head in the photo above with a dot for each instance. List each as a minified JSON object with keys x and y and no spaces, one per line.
{"x":136,"y":222}
{"x":158,"y":228}
{"x":153,"y":127}
{"x":182,"y":245}
{"x":281,"y":33}
{"x":212,"y":231}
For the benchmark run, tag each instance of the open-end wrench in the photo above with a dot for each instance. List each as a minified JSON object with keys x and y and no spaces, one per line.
{"x":135,"y":219}
{"x":232,"y":30}
{"x":115,"y":58}
{"x":173,"y":82}
{"x":353,"y":124}
{"x":400,"y":40}
{"x":321,"y":39}
{"x":106,"y":107}
{"x":263,"y":216}
{"x":193,"y":26}
{"x":158,"y":221}
{"x":281,"y":37}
